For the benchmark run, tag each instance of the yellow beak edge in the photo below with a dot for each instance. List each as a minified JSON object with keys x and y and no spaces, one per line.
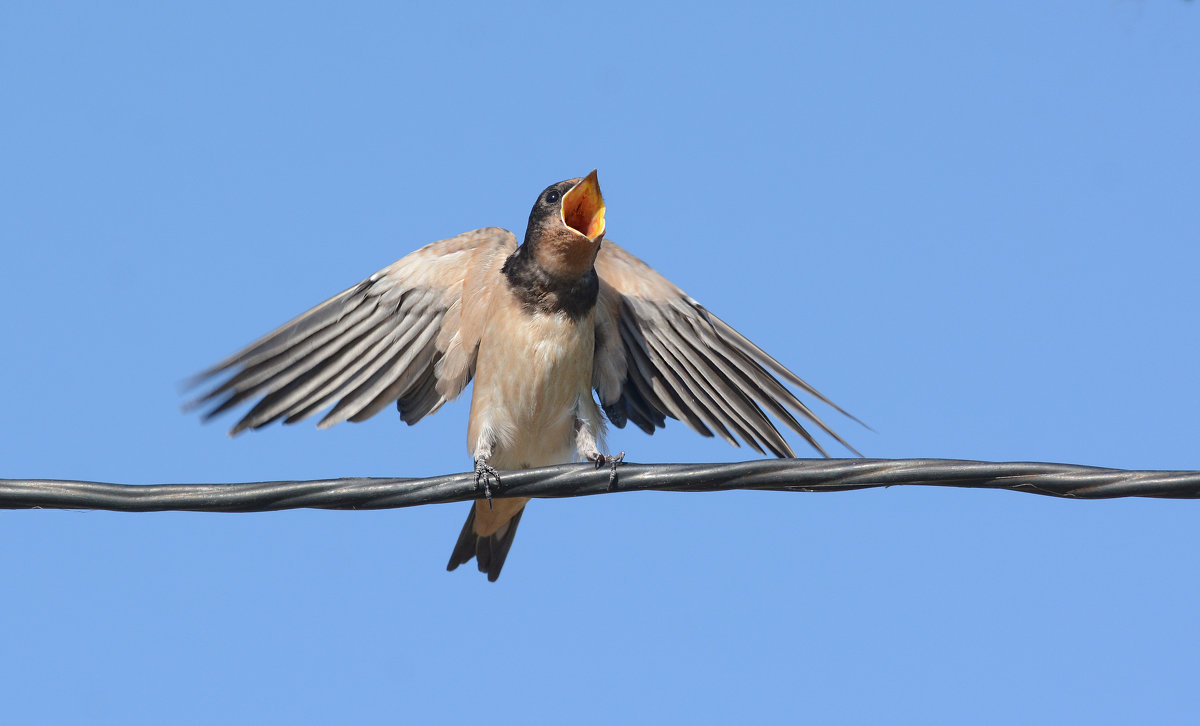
{"x":583,"y":207}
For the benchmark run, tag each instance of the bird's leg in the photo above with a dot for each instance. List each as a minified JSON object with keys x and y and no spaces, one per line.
{"x":484,"y":472}
{"x":586,"y":445}
{"x":612,"y":461}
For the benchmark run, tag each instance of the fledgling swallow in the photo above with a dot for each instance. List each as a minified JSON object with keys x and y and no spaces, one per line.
{"x":539,"y":326}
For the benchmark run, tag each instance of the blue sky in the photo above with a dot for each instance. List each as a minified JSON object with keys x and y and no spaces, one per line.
{"x":974,"y":225}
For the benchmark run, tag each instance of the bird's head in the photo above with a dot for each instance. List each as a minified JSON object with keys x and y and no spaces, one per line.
{"x":566,"y":227}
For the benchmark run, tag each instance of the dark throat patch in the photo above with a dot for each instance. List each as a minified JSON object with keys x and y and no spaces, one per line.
{"x":540,"y":291}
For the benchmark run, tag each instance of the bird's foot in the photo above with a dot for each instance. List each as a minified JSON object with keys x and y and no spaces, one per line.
{"x":484,"y":474}
{"x":612,"y":461}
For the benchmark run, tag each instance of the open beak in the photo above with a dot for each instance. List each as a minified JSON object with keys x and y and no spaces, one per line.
{"x":583,"y":208}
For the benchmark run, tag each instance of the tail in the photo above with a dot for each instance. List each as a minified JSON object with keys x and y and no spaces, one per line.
{"x":489,"y":552}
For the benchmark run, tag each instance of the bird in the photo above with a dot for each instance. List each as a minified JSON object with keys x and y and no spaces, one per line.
{"x":559,"y":333}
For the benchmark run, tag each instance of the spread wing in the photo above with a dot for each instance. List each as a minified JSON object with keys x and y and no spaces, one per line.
{"x":659,"y":353}
{"x":400,"y":335}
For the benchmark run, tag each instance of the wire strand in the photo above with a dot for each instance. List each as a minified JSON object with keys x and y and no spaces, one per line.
{"x":574,"y":480}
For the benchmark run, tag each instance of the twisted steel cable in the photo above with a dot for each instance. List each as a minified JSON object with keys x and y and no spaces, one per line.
{"x":573,"y":480}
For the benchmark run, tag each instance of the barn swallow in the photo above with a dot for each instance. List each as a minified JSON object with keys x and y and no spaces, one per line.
{"x":539,"y":326}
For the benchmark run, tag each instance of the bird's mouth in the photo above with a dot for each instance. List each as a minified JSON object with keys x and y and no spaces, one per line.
{"x":583,"y":207}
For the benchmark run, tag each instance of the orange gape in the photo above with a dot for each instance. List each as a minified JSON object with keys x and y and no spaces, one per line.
{"x":583,"y":207}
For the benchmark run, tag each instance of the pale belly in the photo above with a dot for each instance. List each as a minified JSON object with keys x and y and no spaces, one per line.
{"x":533,"y":379}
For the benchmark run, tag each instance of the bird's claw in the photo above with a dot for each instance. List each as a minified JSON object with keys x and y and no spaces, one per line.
{"x":612,"y":461}
{"x":485,"y":473}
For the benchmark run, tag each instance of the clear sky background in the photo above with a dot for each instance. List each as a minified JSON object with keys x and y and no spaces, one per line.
{"x":974,"y":225}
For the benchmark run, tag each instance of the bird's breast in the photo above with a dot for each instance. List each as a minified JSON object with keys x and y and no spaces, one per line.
{"x":534,"y":369}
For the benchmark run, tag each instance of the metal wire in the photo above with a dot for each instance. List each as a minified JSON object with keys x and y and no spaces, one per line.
{"x":573,"y":480}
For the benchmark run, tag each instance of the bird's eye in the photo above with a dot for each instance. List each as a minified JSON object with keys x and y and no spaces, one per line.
{"x":553,"y":196}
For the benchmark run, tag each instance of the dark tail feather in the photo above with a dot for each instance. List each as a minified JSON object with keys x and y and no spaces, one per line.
{"x":489,"y":552}
{"x":464,"y":548}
